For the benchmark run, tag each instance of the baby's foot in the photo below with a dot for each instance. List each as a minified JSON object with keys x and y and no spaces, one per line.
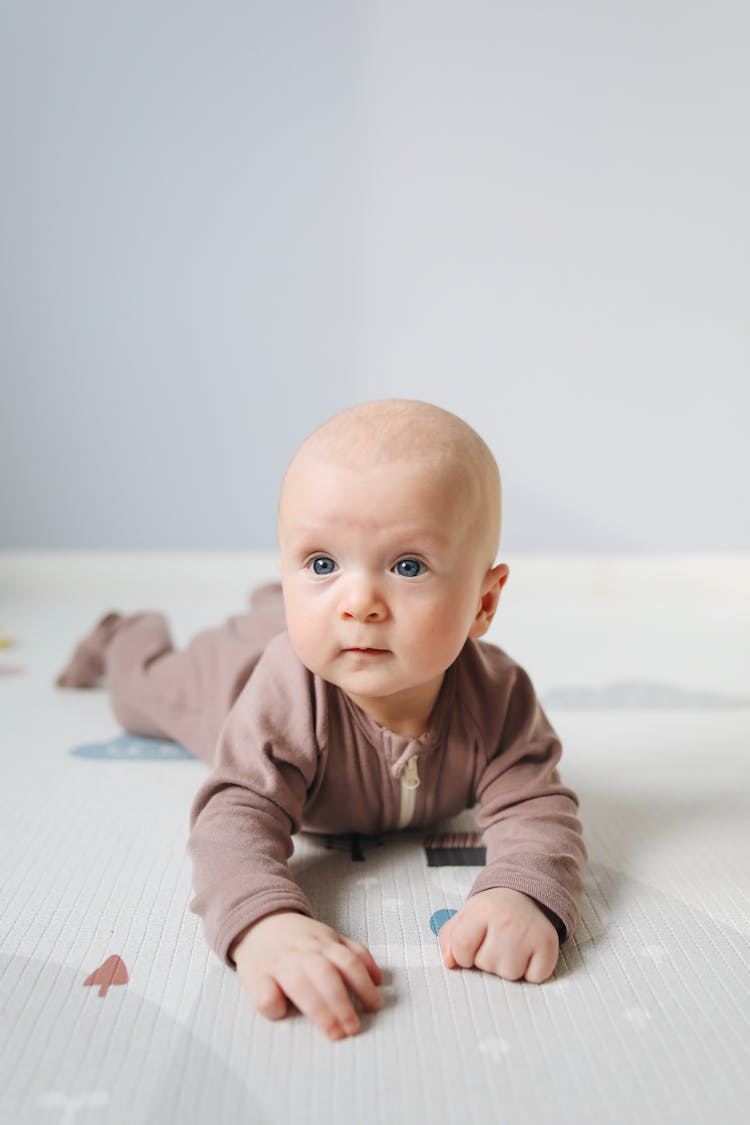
{"x":86,"y":666}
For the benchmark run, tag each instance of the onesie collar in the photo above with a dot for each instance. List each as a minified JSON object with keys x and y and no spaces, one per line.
{"x":399,"y":749}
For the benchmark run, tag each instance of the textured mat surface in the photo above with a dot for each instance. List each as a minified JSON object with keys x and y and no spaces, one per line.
{"x":112,"y":1010}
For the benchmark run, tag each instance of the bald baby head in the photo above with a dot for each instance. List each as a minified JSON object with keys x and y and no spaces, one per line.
{"x":391,"y":431}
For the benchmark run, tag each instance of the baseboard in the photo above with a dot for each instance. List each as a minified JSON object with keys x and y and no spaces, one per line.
{"x":721,"y":578}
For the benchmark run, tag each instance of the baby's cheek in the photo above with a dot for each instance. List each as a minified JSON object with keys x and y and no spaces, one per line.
{"x":438,"y":625}
{"x":304,"y":641}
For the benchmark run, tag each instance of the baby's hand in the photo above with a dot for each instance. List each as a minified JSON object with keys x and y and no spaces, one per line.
{"x":287,"y":956}
{"x":504,"y":932}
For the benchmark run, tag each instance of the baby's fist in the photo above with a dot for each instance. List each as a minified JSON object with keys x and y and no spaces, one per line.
{"x":504,"y":932}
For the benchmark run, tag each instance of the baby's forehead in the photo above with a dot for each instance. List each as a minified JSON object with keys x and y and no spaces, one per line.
{"x":410,"y":502}
{"x":422,"y":472}
{"x":429,"y":444}
{"x":406,"y":507}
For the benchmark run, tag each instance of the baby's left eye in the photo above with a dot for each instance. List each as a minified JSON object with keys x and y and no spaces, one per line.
{"x":409,"y":568}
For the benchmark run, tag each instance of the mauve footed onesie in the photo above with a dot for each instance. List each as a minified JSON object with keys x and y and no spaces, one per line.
{"x":291,"y":751}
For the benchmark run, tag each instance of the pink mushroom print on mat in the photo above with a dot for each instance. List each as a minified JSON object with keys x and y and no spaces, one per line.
{"x":112,"y":971}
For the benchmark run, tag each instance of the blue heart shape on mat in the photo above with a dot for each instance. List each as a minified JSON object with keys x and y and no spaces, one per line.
{"x":439,"y":918}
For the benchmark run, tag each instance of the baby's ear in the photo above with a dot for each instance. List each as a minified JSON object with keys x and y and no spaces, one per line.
{"x":489,"y":596}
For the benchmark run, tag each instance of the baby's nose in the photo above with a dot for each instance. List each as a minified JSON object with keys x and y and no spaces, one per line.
{"x":362,"y":600}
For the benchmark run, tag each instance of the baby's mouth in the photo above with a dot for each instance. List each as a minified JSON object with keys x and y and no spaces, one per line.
{"x":368,"y":651}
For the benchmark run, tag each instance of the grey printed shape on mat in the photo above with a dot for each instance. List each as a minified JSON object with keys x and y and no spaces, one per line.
{"x":640,"y":695}
{"x":132,"y":748}
{"x":647,"y":979}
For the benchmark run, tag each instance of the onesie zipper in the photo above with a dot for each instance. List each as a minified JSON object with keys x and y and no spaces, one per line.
{"x":409,"y":786}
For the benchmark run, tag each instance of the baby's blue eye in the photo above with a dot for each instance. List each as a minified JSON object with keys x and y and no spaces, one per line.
{"x":409,"y":568}
{"x":323,"y":565}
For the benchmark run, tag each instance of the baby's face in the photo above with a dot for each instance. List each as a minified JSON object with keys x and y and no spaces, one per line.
{"x":383,"y":577}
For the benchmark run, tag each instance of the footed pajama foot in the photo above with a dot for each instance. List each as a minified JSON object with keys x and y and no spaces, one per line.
{"x":86,"y":666}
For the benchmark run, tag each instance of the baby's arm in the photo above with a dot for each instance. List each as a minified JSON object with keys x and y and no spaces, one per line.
{"x":288,"y":956}
{"x":534,"y":845}
{"x":504,"y":932}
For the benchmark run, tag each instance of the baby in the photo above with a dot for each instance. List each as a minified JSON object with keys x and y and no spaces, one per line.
{"x":364,"y":702}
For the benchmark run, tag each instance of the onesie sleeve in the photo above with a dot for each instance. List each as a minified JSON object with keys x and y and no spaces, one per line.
{"x":530,"y":819}
{"x":244,"y":815}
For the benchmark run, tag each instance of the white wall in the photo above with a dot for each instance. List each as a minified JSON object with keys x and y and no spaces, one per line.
{"x":222,"y":222}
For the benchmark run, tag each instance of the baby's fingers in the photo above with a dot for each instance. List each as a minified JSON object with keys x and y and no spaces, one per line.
{"x":444,"y":943}
{"x":360,"y":974}
{"x":266,"y":995}
{"x":461,"y":942}
{"x":364,"y":953}
{"x":319,"y":993}
{"x":542,"y":962}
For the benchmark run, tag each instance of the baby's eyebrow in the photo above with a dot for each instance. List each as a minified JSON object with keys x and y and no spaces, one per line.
{"x":319,"y":534}
{"x":432,"y":535}
{"x":304,"y":544}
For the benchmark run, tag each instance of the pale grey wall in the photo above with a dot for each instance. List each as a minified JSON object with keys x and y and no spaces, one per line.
{"x":181,"y":249}
{"x":559,"y":248}
{"x":221,"y":222}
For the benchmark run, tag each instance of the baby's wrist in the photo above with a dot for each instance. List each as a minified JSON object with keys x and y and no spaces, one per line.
{"x":550,"y":915}
{"x":236,"y":943}
{"x":243,"y":935}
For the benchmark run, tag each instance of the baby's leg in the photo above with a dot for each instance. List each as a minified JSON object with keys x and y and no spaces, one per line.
{"x":142,"y":676}
{"x":129,"y":665}
{"x":160,"y":692}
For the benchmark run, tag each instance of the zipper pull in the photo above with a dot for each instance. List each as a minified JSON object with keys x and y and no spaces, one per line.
{"x":410,"y":776}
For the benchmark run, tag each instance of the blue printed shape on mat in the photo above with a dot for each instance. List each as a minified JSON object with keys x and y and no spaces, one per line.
{"x":439,"y":918}
{"x":132,"y":748}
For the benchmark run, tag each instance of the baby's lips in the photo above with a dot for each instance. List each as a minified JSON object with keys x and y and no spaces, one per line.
{"x":365,"y":648}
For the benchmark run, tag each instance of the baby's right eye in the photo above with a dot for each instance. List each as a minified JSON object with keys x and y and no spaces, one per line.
{"x":322,"y":565}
